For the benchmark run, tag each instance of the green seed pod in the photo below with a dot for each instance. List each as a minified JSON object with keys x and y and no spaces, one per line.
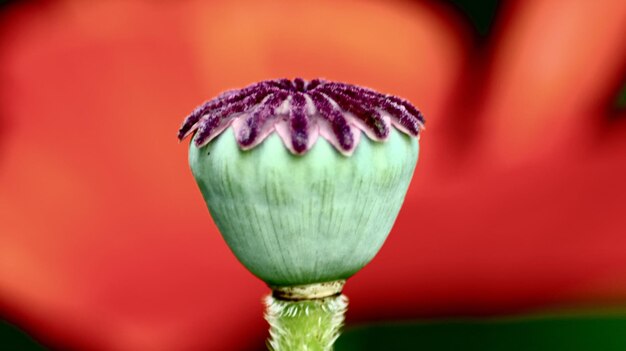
{"x":295,"y":220}
{"x":300,"y":196}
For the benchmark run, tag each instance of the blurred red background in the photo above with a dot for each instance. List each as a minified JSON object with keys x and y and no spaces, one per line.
{"x":518,"y":202}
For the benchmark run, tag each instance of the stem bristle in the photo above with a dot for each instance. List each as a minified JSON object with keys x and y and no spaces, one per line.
{"x":311,"y":325}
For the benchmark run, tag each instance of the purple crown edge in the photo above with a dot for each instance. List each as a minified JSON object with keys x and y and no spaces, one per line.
{"x":300,"y":111}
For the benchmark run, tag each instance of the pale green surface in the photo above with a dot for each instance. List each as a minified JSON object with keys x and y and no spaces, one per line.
{"x":311,"y":325}
{"x":304,"y":219}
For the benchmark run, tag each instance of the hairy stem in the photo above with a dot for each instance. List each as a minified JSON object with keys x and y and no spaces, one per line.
{"x":311,"y":325}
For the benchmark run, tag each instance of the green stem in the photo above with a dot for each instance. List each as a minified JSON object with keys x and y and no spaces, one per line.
{"x":311,"y":325}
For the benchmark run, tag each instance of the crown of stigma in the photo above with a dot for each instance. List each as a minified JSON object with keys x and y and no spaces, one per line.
{"x":300,"y":112}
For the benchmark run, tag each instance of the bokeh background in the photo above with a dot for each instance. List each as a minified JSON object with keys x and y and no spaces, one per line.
{"x":515,"y":221}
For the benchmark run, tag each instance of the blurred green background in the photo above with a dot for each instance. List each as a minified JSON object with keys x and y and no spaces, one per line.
{"x":583,"y":332}
{"x":565,"y":332}
{"x":12,"y":338}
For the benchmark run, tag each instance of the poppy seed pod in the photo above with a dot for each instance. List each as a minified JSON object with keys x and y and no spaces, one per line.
{"x":300,"y":196}
{"x":294,"y":220}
